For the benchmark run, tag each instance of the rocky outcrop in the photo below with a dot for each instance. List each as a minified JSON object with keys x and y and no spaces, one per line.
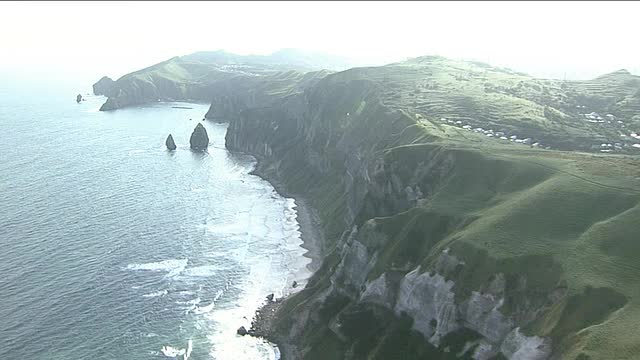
{"x":79,"y":98}
{"x":199,"y":139}
{"x":171,"y":145}
{"x":104,"y":86}
{"x":242,"y":331}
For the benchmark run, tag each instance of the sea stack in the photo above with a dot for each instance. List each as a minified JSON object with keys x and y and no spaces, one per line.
{"x":79,"y":98}
{"x":199,"y":138}
{"x":171,"y":145}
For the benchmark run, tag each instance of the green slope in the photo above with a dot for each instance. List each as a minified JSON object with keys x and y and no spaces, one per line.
{"x":551,"y":112}
{"x":559,"y":227}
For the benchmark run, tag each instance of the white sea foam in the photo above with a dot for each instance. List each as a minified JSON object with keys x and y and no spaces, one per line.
{"x":201,"y":271}
{"x":189,"y":348}
{"x":195,"y":301}
{"x":205,"y":309}
{"x":234,"y":228}
{"x":182,"y":292}
{"x":171,"y":351}
{"x":156,"y":294}
{"x":164,"y":265}
{"x":174,"y":266}
{"x":218,"y":294}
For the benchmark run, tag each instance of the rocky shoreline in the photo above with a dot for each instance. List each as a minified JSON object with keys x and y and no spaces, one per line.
{"x":261,"y":324}
{"x":311,"y":236}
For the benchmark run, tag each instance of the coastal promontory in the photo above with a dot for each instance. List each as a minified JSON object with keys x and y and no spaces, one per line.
{"x":104,"y":86}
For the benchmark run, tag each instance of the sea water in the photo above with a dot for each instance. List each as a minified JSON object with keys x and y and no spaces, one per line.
{"x":113,"y":247}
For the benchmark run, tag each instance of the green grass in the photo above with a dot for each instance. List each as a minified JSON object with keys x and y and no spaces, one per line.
{"x":534,"y":217}
{"x":503,"y":100}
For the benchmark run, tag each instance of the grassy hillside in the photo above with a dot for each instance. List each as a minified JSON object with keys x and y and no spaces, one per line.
{"x":559,"y":228}
{"x":550,"y":112}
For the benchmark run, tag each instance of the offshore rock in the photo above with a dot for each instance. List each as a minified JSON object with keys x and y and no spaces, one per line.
{"x":242,"y":331}
{"x":199,"y":139}
{"x":78,"y":98}
{"x":171,"y":145}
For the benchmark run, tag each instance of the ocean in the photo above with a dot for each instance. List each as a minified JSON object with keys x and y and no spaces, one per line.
{"x":114,"y":247}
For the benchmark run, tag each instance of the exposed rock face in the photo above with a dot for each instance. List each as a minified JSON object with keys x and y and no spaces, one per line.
{"x":199,"y":139}
{"x":104,"y":86}
{"x":171,"y":145}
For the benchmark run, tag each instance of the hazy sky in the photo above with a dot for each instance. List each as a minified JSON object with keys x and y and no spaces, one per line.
{"x":581,"y":39}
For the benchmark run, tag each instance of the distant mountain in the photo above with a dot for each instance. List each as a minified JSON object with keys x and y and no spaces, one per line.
{"x":313,"y":60}
{"x":286,"y":58}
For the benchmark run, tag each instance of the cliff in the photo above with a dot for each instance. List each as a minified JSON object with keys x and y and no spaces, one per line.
{"x":440,"y":244}
{"x":230,"y":96}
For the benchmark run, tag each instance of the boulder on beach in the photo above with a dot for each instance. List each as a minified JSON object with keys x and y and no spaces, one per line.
{"x":242,"y":331}
{"x":171,"y":145}
{"x":199,"y":139}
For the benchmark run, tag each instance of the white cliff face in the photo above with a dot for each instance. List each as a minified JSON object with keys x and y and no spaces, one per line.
{"x":517,"y":346}
{"x":378,"y":292}
{"x":355,"y":264}
{"x":429,"y":300}
{"x":484,"y":351}
{"x":481,"y":313}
